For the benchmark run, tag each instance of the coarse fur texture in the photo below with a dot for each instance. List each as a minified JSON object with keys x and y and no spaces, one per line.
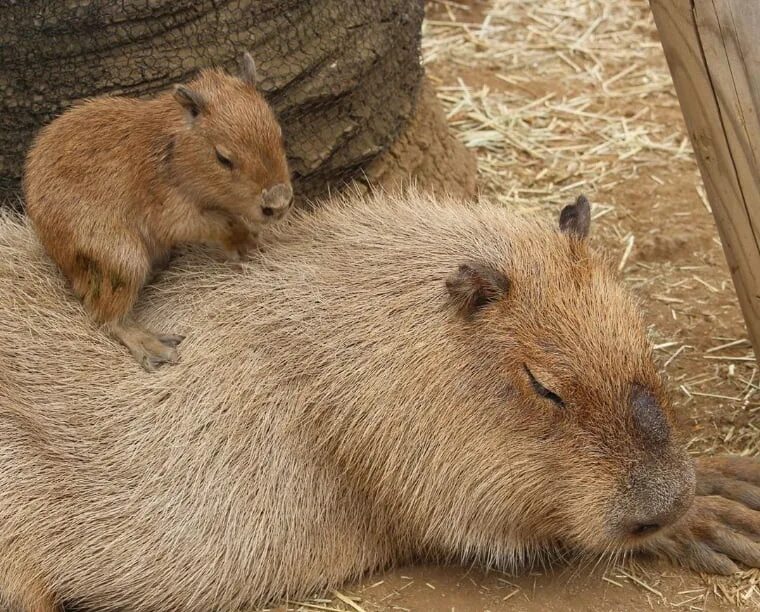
{"x":114,"y":183}
{"x":342,"y":407}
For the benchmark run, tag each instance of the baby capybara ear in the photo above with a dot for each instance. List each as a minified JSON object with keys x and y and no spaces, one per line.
{"x":248,"y":70}
{"x":475,"y":285}
{"x":192,"y":101}
{"x":575,"y":219}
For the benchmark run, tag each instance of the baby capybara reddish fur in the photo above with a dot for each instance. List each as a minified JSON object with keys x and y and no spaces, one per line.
{"x":114,"y":183}
{"x":390,"y":379}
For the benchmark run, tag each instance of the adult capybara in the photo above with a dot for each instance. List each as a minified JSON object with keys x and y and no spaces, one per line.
{"x":114,"y":183}
{"x":390,"y":379}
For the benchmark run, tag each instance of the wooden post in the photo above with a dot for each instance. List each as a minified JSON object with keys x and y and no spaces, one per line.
{"x":713,"y":51}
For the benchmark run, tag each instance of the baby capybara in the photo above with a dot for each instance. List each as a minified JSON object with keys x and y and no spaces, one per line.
{"x":399,"y":378}
{"x":114,"y":183}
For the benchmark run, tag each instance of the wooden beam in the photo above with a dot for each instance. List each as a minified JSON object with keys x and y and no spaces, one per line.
{"x":713,"y":51}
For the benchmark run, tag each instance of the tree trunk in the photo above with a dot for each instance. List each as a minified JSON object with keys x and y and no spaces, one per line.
{"x":425,"y":155}
{"x":342,"y":75}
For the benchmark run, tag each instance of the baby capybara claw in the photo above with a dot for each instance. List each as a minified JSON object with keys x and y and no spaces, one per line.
{"x":147,"y":363}
{"x":151,"y":361}
{"x":171,"y":340}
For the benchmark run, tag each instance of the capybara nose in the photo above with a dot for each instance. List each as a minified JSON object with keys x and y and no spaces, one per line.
{"x":653,"y":523}
{"x":276,"y":200}
{"x":644,"y":529}
{"x":660,"y":507}
{"x":658,"y":496}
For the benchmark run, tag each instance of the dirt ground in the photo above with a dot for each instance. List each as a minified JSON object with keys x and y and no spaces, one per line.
{"x":556,"y":98}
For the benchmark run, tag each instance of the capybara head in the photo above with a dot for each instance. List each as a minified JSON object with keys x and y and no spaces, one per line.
{"x":231,"y":153}
{"x":585,"y":397}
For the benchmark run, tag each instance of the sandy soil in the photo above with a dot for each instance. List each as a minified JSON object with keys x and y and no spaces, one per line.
{"x":650,"y":217}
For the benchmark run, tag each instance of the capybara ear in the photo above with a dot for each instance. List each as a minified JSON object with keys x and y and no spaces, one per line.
{"x":575,"y":219}
{"x":193,"y":101}
{"x":248,"y":70}
{"x":475,"y":285}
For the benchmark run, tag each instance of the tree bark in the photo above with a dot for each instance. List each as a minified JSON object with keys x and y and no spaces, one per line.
{"x":343,"y":76}
{"x":425,"y":155}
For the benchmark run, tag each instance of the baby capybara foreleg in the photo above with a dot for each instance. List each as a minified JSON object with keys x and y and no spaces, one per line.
{"x":229,"y":231}
{"x":109,"y":293}
{"x":239,"y":239}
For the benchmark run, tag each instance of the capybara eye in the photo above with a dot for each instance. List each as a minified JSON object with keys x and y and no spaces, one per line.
{"x":225,"y":161}
{"x":267,"y":211}
{"x":543,"y":391}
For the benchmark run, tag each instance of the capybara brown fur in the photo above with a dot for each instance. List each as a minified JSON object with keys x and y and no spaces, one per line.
{"x":114,"y":183}
{"x":390,"y":379}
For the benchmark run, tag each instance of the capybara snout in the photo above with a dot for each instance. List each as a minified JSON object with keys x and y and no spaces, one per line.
{"x":655,"y":497}
{"x":656,"y":476}
{"x":660,"y":486}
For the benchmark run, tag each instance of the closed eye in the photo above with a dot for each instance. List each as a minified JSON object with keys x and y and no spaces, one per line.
{"x":225,"y":161}
{"x":543,"y":391}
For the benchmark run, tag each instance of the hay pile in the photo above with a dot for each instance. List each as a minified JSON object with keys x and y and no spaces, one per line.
{"x":567,"y":96}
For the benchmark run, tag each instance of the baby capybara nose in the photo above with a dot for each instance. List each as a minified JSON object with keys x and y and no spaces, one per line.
{"x":277,"y":200}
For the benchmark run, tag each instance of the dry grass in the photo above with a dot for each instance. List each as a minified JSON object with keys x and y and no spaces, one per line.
{"x":535,"y":141}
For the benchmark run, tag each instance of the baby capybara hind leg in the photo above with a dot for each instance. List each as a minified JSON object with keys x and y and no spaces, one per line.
{"x":109,"y":293}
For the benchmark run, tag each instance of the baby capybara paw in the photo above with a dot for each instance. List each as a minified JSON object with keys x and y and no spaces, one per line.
{"x":722,"y":527}
{"x":241,"y":242}
{"x":152,"y":351}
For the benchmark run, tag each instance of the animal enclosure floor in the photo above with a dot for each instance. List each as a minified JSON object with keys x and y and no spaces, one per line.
{"x":562,"y":97}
